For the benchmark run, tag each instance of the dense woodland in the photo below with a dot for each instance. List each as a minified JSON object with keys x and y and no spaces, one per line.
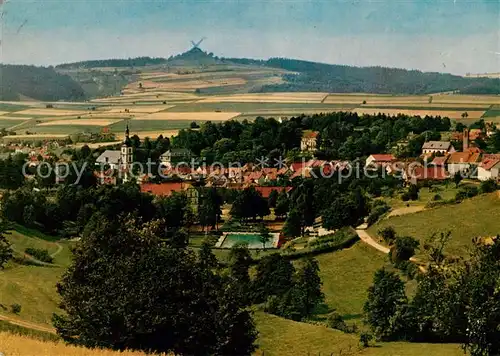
{"x":319,"y":77}
{"x":37,"y":83}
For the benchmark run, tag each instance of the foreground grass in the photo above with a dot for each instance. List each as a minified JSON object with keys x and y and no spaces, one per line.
{"x":471,"y":218}
{"x":16,"y":345}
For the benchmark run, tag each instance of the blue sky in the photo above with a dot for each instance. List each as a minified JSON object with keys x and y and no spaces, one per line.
{"x":455,"y":36}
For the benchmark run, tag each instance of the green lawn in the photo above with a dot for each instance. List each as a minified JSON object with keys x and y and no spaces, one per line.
{"x":471,"y":218}
{"x":446,"y":191}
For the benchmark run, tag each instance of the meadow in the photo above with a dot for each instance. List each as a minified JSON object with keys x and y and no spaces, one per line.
{"x":471,"y":218}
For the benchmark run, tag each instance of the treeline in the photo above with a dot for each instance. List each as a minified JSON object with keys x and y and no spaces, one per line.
{"x":129,"y":62}
{"x":320,"y":77}
{"x":37,"y":83}
{"x":456,"y":300}
{"x":342,"y":135}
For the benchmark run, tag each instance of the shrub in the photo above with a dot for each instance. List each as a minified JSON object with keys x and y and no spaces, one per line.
{"x":39,"y":254}
{"x":365,"y":339}
{"x":436,"y":197}
{"x":15,"y":308}
{"x":405,"y":196}
{"x":335,"y":321}
{"x":403,"y":249}
{"x":466,"y":192}
{"x":377,"y":212}
{"x":488,"y":186}
{"x":388,"y":234}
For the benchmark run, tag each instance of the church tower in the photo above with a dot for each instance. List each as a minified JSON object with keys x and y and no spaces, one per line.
{"x":127,"y":156}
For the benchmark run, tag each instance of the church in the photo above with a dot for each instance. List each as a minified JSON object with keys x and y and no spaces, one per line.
{"x":117,"y":164}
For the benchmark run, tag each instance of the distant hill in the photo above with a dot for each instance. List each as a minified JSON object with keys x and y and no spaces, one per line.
{"x":321,"y":77}
{"x":102,"y":63}
{"x":37,"y":83}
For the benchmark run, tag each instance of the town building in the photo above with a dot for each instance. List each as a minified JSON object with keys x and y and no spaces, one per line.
{"x":437,"y":147}
{"x":175,"y":155}
{"x":309,"y":141}
{"x":117,"y":161}
{"x":489,"y":168}
{"x":463,"y":162}
{"x":376,"y":161}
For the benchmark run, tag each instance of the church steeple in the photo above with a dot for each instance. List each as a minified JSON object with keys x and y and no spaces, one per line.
{"x":127,"y":142}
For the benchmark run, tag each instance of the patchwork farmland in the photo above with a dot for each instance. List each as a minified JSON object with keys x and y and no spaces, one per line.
{"x":164,"y":101}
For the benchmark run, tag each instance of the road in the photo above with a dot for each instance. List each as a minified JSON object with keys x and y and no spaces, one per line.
{"x":367,"y":239}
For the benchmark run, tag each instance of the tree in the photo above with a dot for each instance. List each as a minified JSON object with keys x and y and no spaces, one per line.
{"x":264,"y":235}
{"x":385,"y":297}
{"x":457,"y":178}
{"x":388,"y":234}
{"x":465,"y":115}
{"x":273,"y":276}
{"x":273,"y":198}
{"x":209,"y":211}
{"x":249,"y":203}
{"x":308,"y":283}
{"x":5,"y":247}
{"x":292,"y":227}
{"x":239,"y":263}
{"x":282,"y":205}
{"x":488,"y":186}
{"x":125,"y":291}
{"x":403,"y":249}
{"x":459,"y":127}
{"x":206,"y":257}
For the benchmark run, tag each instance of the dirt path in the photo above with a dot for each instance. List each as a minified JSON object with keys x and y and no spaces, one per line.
{"x":367,"y":239}
{"x":59,"y":249}
{"x":406,"y":210}
{"x":27,"y":324}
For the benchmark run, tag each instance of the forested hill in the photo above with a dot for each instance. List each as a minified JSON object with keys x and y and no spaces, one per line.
{"x":312,"y":76}
{"x":128,"y":62}
{"x":37,"y":83}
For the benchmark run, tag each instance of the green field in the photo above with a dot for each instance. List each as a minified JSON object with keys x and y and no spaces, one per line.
{"x":473,"y":217}
{"x":149,"y":125}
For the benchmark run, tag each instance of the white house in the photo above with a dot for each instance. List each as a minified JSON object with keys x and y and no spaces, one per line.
{"x":441,"y":147}
{"x":110,"y":158}
{"x":489,"y":168}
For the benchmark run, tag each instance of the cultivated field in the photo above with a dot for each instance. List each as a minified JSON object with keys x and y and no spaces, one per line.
{"x":150,"y":134}
{"x":190,"y":116}
{"x":50,"y":112}
{"x":146,"y":109}
{"x":268,"y":98}
{"x":81,"y":122}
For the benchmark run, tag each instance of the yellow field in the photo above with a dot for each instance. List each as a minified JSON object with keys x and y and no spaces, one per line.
{"x":393,"y":112}
{"x":15,"y":345}
{"x":36,"y":136}
{"x":153,"y":95}
{"x":267,"y":98}
{"x":427,"y":105}
{"x":461,"y":99}
{"x":150,"y":134}
{"x":15,"y":118}
{"x":4,"y":112}
{"x":186,"y":85}
{"x":51,"y":112}
{"x":138,"y":109}
{"x":191,"y":116}
{"x":80,"y":122}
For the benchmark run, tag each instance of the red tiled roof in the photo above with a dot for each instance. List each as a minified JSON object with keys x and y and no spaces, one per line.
{"x":164,"y":189}
{"x":464,"y":157}
{"x":489,"y":163}
{"x":383,"y":157}
{"x":440,"y":160}
{"x":433,"y":173}
{"x":297,"y":166}
{"x":310,"y":134}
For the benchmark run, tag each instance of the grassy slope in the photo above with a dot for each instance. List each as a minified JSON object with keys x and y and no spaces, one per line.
{"x":473,"y":217}
{"x":33,"y":287}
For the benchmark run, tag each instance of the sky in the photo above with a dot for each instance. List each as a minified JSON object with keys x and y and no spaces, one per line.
{"x":454,"y":36}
